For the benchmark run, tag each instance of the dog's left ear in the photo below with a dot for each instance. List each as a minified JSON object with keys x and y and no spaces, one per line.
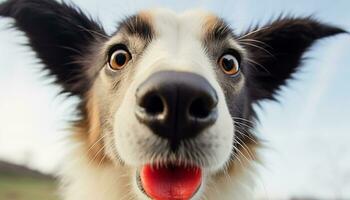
{"x":60,"y":34}
{"x":276,"y":51}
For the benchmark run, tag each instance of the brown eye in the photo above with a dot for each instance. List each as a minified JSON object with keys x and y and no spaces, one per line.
{"x":229,"y":64}
{"x":119,"y":59}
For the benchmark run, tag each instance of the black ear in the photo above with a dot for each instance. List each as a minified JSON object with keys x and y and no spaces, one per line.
{"x":59,"y":34}
{"x":276,"y":51}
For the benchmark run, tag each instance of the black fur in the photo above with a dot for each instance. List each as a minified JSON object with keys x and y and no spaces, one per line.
{"x":60,"y":34}
{"x":136,"y":25}
{"x":275,"y":52}
{"x":282,"y":44}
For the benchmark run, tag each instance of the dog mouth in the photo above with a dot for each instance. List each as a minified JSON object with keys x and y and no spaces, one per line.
{"x":169,"y":182}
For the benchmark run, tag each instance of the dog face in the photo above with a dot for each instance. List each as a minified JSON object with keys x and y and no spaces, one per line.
{"x":166,"y":93}
{"x":179,"y":56}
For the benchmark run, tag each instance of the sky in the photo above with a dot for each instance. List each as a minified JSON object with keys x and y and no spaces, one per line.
{"x":307,"y":133}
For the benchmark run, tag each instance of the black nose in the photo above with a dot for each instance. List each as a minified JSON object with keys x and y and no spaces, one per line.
{"x":176,"y":105}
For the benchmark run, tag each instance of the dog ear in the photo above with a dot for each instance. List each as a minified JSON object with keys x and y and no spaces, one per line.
{"x":276,"y":51}
{"x":59,"y":34}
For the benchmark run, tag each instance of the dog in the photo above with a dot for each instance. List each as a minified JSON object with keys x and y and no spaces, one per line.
{"x":166,"y":101}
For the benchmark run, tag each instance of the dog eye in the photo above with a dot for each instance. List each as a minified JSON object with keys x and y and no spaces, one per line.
{"x":119,"y":59}
{"x":229,"y":64}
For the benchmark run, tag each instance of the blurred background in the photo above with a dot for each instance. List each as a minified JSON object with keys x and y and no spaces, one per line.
{"x":308,"y":134}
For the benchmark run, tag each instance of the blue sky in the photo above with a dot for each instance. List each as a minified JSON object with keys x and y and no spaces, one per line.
{"x":307,"y":133}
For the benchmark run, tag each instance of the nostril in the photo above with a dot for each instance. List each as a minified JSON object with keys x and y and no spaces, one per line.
{"x":153,"y":105}
{"x":200,"y":108}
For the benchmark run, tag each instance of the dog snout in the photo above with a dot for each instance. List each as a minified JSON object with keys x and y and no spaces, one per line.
{"x":176,"y":105}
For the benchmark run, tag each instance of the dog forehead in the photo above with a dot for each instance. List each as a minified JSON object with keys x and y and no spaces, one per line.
{"x":177,"y":42}
{"x":193,"y":23}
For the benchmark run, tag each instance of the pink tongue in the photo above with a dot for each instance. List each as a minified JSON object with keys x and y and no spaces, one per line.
{"x":170,"y":183}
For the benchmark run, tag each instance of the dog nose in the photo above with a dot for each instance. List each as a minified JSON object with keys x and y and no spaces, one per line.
{"x":176,"y":105}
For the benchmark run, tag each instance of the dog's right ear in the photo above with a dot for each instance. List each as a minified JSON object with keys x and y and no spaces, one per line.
{"x":59,"y":34}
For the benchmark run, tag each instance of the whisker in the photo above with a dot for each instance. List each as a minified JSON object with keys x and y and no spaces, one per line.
{"x":258,"y":47}
{"x":72,"y":49}
{"x":245,"y":125}
{"x":246,"y":135}
{"x":92,"y":32}
{"x":250,"y":153}
{"x":96,"y":154}
{"x":257,"y":41}
{"x":102,"y":159}
{"x":95,"y":143}
{"x":252,"y":32}
{"x":76,"y":61}
{"x":260,"y":65}
{"x":239,"y":153}
{"x":243,"y":119}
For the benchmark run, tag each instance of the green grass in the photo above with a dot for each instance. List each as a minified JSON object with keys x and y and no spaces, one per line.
{"x":14,"y":187}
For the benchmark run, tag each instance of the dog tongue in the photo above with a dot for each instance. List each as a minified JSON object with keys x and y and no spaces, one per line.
{"x":171,"y":182}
